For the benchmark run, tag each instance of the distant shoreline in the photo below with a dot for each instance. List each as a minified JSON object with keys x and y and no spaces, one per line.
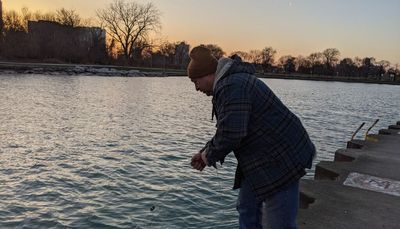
{"x":81,"y":69}
{"x":326,"y":78}
{"x":7,"y":68}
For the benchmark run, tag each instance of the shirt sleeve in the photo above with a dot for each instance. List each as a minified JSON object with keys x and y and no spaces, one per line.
{"x":233,"y":107}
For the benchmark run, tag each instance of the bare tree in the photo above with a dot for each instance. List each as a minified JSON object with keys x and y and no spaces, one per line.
{"x":346,"y":67}
{"x":255,"y":56}
{"x":267,"y":54}
{"x":316,"y":61}
{"x":13,"y":21}
{"x":287,"y":63}
{"x":331,"y":57}
{"x":167,"y":49}
{"x":303,"y":65}
{"x":26,"y":16}
{"x":368,"y":67}
{"x":384,"y":64}
{"x":68,"y":17}
{"x":357,"y":61}
{"x":129,"y":23}
{"x":14,"y":40}
{"x":315,"y":58}
{"x":49,"y":16}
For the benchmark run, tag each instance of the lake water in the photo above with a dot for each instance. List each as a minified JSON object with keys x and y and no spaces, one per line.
{"x":101,"y":152}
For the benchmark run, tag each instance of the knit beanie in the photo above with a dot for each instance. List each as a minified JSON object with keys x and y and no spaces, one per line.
{"x":202,"y":62}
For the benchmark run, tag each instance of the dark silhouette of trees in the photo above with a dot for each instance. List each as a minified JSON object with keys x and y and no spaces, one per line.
{"x":331,"y":57}
{"x":256,"y":57}
{"x":167,"y":50}
{"x":27,"y":16}
{"x":137,"y":51}
{"x":15,"y":40}
{"x":287,"y":64}
{"x":167,"y":55}
{"x":316,"y":61}
{"x":68,"y":17}
{"x":267,"y":58}
{"x":326,"y":63}
{"x":347,"y":67}
{"x":383,"y":67}
{"x":129,"y":24}
{"x":13,"y":21}
{"x":303,"y":65}
{"x":162,"y":54}
{"x":368,"y":67}
{"x":358,"y":63}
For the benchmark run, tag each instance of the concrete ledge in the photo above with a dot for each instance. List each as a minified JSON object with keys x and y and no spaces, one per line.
{"x":340,"y":195}
{"x":355,"y":144}
{"x":338,"y":171}
{"x":389,"y":132}
{"x":336,"y":206}
{"x":323,"y":172}
{"x":344,"y":155}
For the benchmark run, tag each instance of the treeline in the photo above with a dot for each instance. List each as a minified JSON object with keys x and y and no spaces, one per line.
{"x":128,"y":26}
{"x":327,"y":62}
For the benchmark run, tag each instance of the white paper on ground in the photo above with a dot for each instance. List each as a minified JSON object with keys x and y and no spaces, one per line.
{"x":377,"y":184}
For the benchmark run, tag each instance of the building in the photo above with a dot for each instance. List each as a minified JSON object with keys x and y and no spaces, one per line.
{"x":72,"y":44}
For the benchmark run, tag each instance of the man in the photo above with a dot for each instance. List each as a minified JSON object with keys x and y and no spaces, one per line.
{"x":269,"y":142}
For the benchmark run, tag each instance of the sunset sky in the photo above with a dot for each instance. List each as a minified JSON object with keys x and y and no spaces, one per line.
{"x":360,"y":28}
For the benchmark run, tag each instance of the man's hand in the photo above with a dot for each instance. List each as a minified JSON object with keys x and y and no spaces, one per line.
{"x":197,"y":162}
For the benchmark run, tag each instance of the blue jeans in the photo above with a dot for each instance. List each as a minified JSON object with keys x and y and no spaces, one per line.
{"x":278,"y":211}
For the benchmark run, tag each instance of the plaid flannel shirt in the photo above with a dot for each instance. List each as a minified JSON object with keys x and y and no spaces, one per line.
{"x":271,"y":145}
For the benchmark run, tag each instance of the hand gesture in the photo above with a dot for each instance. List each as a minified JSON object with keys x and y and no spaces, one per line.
{"x":197,"y":162}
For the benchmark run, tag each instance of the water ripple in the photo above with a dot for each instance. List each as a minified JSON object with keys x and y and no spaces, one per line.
{"x":98,"y":152}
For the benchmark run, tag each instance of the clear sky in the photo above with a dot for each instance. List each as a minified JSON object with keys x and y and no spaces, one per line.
{"x":297,"y":27}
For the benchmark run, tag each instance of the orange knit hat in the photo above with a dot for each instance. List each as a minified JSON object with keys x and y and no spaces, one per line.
{"x":202,"y":62}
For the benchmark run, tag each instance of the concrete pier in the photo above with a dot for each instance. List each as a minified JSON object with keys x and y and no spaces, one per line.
{"x":359,"y":189}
